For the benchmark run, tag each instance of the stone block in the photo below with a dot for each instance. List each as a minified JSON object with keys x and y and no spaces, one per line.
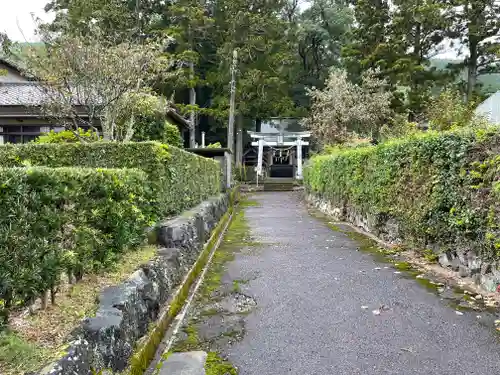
{"x":189,"y":363}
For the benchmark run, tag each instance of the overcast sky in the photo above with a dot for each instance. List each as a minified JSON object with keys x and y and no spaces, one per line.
{"x":16,"y":18}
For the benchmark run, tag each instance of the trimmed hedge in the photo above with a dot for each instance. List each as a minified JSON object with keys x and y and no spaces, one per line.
{"x":177,"y":180}
{"x":443,"y":189}
{"x":64,"y":220}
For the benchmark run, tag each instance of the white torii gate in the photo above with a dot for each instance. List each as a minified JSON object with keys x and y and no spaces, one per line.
{"x":277,"y":140}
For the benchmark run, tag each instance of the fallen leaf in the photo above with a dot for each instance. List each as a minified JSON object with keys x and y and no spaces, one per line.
{"x":479,"y":297}
{"x":384,"y":308}
{"x":364,"y":307}
{"x":397,"y":272}
{"x":409,"y":350}
{"x":376,"y":312}
{"x":376,"y":268}
{"x":459,"y":313}
{"x":420,"y":276}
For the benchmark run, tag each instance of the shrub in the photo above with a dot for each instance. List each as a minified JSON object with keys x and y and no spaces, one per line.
{"x":71,"y":220}
{"x":343,"y":109}
{"x":171,"y":135}
{"x":67,"y":136}
{"x":214,"y":145}
{"x":442,"y":188}
{"x":449,"y":110}
{"x":177,"y":180}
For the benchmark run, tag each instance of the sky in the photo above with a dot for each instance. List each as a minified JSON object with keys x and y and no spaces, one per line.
{"x":16,"y":18}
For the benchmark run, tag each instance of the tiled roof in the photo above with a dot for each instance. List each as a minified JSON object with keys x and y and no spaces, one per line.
{"x":25,"y":93}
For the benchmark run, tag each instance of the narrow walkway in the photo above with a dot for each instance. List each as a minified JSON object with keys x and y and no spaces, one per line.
{"x":310,"y":284}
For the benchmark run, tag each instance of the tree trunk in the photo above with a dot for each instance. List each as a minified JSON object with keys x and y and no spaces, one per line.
{"x":472,"y":69}
{"x":258,"y":125}
{"x":192,"y":119}
{"x":239,"y":141}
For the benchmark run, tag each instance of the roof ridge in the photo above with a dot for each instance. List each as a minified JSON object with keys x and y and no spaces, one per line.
{"x":29,"y":83}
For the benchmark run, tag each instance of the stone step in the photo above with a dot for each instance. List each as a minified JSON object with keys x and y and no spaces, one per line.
{"x":189,"y":363}
{"x":278,"y":187}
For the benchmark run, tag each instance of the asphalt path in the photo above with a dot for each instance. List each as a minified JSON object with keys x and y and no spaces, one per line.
{"x":317,"y":302}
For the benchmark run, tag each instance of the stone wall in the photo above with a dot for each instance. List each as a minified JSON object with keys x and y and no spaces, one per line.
{"x":125,"y":311}
{"x":462,"y":260}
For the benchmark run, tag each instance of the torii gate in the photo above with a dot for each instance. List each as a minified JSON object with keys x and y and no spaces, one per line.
{"x":297,"y":139}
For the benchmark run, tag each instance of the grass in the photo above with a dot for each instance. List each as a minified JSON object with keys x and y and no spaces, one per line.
{"x":215,"y":365}
{"x":236,"y":238}
{"x":38,"y":339}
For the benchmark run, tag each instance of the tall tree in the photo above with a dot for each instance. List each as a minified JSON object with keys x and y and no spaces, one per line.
{"x":257,"y":31}
{"x":476,"y":24}
{"x":117,"y":19}
{"x":369,"y":48}
{"x":417,"y":29}
{"x":188,"y":24}
{"x":322,"y":30}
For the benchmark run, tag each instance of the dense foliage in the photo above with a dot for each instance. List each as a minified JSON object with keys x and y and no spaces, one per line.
{"x":442,"y":188}
{"x":343,"y":108}
{"x":64,"y":220}
{"x":177,"y":179}
{"x":68,"y":136}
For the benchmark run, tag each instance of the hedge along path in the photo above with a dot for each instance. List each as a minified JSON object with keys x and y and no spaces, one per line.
{"x":79,"y":220}
{"x":442,"y":188}
{"x":177,"y":180}
{"x":63,"y":220}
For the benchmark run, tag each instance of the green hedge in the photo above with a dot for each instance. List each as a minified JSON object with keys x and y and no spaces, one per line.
{"x":64,"y":220}
{"x":177,"y":180}
{"x":442,"y":188}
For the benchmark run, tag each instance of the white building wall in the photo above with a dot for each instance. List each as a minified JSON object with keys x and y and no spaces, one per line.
{"x":490,"y":109}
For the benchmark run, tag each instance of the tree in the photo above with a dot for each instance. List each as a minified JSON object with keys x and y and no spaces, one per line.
{"x":119,"y":20}
{"x":188,"y":24}
{"x":259,"y":33}
{"x":344,"y":109}
{"x":369,"y":48}
{"x":476,"y":25}
{"x":85,"y":81}
{"x":450,"y":111}
{"x":324,"y":28}
{"x":416,"y":29}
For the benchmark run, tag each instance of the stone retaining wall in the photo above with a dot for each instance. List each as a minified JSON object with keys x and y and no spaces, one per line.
{"x":462,"y":260}
{"x":125,"y":311}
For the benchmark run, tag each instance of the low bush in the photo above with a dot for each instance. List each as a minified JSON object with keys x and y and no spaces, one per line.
{"x":177,"y":180}
{"x":68,"y":136}
{"x":442,"y":188}
{"x":64,"y":220}
{"x":158,"y":130}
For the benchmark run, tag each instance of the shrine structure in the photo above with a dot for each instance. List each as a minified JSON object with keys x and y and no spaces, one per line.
{"x":282,"y":146}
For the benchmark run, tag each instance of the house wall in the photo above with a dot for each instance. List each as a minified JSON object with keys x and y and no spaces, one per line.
{"x":11,"y":76}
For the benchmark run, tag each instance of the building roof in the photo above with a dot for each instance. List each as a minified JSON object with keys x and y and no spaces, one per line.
{"x":31,"y":93}
{"x":490,"y":109}
{"x":25,"y":93}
